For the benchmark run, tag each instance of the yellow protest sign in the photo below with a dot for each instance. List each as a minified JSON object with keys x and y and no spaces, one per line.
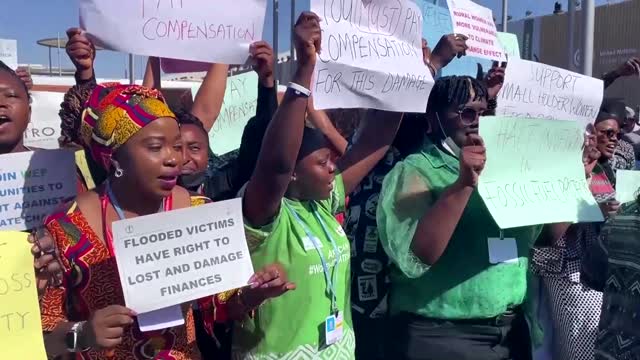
{"x":20,"y":326}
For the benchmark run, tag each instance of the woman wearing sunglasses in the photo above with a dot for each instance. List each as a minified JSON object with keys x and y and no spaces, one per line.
{"x":446,"y":295}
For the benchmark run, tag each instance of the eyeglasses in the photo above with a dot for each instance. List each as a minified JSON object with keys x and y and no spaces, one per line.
{"x":469,"y":116}
{"x":610,"y":133}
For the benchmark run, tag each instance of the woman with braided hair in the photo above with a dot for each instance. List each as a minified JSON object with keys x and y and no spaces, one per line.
{"x":449,"y":299}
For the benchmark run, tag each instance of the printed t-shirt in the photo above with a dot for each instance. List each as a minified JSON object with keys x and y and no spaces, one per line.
{"x":292,"y":325}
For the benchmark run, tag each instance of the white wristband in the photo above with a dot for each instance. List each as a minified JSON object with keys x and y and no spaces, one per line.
{"x":299,"y":89}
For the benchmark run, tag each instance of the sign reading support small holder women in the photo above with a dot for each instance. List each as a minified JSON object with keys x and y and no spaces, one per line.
{"x":175,"y":257}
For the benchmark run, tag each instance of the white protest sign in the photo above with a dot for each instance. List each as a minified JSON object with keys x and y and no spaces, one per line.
{"x":534,"y":90}
{"x":33,"y":185}
{"x":200,"y":30}
{"x":9,"y":53}
{"x":534,"y":172}
{"x":44,"y":129}
{"x":174,"y":257}
{"x":371,"y":56}
{"x":476,"y":22}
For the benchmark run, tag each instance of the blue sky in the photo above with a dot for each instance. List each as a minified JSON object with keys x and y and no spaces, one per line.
{"x":31,"y":20}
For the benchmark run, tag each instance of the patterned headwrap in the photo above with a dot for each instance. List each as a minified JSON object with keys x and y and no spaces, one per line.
{"x":114,"y":113}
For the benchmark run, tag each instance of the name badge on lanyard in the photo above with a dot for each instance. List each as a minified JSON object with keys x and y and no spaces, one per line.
{"x":333,"y":324}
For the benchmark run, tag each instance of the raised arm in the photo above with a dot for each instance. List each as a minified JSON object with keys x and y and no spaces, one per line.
{"x":254,"y":131}
{"x":437,"y":225}
{"x":283,"y":138}
{"x":82,"y":53}
{"x":208,"y":100}
{"x":152,"y":74}
{"x":373,"y":139}
{"x":630,"y":68}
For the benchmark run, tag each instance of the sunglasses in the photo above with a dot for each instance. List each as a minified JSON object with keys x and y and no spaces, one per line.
{"x":469,"y":116}
{"x":610,"y":133}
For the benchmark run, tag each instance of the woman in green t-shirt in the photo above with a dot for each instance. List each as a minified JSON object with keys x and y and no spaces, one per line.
{"x":289,"y":207}
{"x":448,"y":300}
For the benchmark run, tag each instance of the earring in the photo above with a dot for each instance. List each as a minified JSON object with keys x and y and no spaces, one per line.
{"x":118,"y":173}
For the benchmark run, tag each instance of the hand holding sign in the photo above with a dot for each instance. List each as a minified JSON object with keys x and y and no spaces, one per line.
{"x":268,"y":283}
{"x":263,"y":62}
{"x":630,"y":68}
{"x":105,"y":328}
{"x":307,"y":38}
{"x":80,"y":49}
{"x":46,"y":261}
{"x":449,"y":47}
{"x":472,"y":159}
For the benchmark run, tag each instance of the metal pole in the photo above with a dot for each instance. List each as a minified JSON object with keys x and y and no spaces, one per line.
{"x":275,"y":38}
{"x":50,"y":62}
{"x":59,"y":60}
{"x":505,"y":7}
{"x":292,"y":52}
{"x":588,"y":26}
{"x":570,"y":32}
{"x":132,"y":74}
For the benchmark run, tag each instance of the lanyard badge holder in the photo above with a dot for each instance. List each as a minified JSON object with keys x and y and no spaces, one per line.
{"x":502,"y":250}
{"x":333,"y":324}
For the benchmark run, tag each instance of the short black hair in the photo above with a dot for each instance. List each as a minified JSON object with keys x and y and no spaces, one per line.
{"x":187,"y":118}
{"x":5,"y":68}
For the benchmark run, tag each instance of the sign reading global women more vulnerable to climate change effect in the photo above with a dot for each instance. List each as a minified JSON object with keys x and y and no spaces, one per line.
{"x":201,"y":30}
{"x":33,"y":185}
{"x":371,"y":56}
{"x":174,"y":257}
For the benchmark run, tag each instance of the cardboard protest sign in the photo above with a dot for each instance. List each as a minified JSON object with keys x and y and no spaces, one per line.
{"x":200,"y":30}
{"x":174,"y":257}
{"x":33,"y":185}
{"x":20,"y":326}
{"x":43,"y":131}
{"x":371,"y":56}
{"x":627,"y":185}
{"x":534,"y":172}
{"x":535,"y":90}
{"x":9,"y":52}
{"x":239,"y":105}
{"x":476,"y":22}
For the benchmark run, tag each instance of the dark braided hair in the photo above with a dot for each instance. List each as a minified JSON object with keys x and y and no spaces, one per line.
{"x":455,"y":90}
{"x":187,"y":118}
{"x":71,"y":112}
{"x":10,"y":71}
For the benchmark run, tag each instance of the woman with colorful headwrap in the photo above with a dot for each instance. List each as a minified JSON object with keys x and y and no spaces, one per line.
{"x":132,"y":134}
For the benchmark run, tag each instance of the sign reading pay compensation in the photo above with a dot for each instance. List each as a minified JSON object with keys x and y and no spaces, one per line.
{"x":20,"y":327}
{"x":371,"y":56}
{"x":174,"y":257}
{"x":534,"y":172}
{"x":201,"y":30}
{"x":34,"y":184}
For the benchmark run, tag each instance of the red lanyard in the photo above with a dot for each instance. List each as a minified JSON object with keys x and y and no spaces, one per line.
{"x":167,"y":205}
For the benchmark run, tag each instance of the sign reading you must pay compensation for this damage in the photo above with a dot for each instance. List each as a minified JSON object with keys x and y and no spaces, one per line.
{"x":174,"y":257}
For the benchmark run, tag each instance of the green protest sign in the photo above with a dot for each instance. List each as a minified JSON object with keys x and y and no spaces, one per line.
{"x":510,"y":44}
{"x":534,"y":172}
{"x":239,"y":105}
{"x":627,"y":185}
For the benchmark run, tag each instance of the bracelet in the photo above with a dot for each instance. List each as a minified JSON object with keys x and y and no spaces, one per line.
{"x":299,"y":89}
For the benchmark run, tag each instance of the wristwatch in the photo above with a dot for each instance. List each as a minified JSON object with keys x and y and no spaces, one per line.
{"x":72,"y":338}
